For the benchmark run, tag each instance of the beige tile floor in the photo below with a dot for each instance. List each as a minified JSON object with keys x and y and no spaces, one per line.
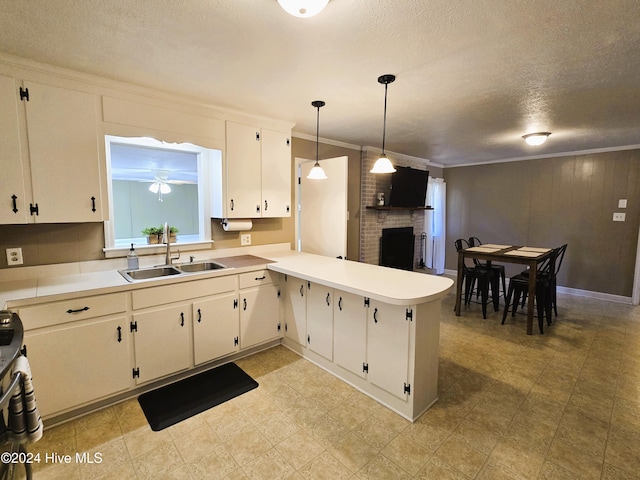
{"x":564,"y":405}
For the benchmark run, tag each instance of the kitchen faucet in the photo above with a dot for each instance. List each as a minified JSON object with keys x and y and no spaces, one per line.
{"x":166,"y":238}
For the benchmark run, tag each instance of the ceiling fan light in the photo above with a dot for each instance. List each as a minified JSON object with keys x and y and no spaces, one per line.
{"x":317,"y":173}
{"x":383,"y":165}
{"x":154,"y":187}
{"x":164,"y":188}
{"x":537,"y":138}
{"x":303,"y":8}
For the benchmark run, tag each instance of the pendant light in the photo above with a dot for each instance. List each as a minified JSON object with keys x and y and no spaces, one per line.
{"x":383,"y":164}
{"x":303,"y":8}
{"x":317,"y":173}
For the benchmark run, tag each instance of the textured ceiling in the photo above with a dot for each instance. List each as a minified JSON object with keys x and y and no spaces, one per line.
{"x":472,"y":76}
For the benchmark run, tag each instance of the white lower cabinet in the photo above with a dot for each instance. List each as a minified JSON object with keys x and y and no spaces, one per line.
{"x":215,"y":327}
{"x":259,"y":315}
{"x":161,"y":342}
{"x":388,"y":341}
{"x":78,"y":362}
{"x":350,"y":332}
{"x":295,"y":309}
{"x":320,"y":319}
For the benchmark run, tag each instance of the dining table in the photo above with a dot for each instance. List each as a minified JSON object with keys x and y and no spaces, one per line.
{"x":491,"y":252}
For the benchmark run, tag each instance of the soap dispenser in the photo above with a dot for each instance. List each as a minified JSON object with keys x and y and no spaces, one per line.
{"x":132,"y":259}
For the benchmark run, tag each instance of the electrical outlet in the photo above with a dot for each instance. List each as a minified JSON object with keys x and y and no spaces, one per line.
{"x":619,"y":217}
{"x":245,"y":239}
{"x":14,"y":256}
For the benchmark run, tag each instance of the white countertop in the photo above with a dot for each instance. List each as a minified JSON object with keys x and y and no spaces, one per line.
{"x":388,"y":285}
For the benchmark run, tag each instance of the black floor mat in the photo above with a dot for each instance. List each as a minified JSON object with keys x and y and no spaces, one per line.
{"x":169,"y":405}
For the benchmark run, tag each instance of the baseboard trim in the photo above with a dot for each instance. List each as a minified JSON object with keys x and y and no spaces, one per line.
{"x":576,"y":292}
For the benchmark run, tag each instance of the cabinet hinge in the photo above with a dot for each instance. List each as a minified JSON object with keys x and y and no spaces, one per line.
{"x":136,"y":372}
{"x":288,"y":142}
{"x":34,"y":209}
{"x":299,"y":181}
{"x":308,"y":285}
{"x":133,"y":326}
{"x":235,"y":341}
{"x":285,"y":277}
{"x":286,"y":328}
{"x":367,"y":302}
{"x":365,"y":368}
{"x":279,"y":327}
{"x":24,"y":94}
{"x":409,"y":314}
{"x":309,"y":339}
{"x":407,"y":388}
{"x":279,"y":293}
{"x":258,"y":136}
{"x":235,"y":303}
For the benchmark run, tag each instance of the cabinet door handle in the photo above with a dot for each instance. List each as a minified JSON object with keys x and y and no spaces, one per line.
{"x":15,"y":205}
{"x":232,"y":205}
{"x":266,"y":205}
{"x":302,"y":290}
{"x":261,"y":278}
{"x":199,"y":316}
{"x":84,"y":309}
{"x":182,"y":319}
{"x":340,"y":303}
{"x":119,"y":334}
{"x":244,"y":303}
{"x":375,"y":315}
{"x":93,"y":204}
{"x":328,"y":297}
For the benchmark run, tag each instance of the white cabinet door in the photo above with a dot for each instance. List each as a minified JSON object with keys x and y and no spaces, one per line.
{"x":13,"y":202}
{"x":259,"y":315}
{"x":295,"y":309}
{"x":320,"y":319}
{"x":161,"y":340}
{"x":242,"y":154}
{"x":215,"y":327}
{"x":78,"y":363}
{"x":62,"y":127}
{"x":350,"y":332}
{"x":276,"y":174}
{"x":388,"y":332}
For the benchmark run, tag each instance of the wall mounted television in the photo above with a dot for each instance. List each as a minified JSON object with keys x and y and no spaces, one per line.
{"x":408,"y":187}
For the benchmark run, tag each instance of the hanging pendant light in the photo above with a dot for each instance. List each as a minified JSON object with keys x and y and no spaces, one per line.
{"x":317,"y":173}
{"x":303,"y":8}
{"x":383,"y":164}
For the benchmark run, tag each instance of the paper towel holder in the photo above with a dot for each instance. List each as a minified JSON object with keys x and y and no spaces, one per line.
{"x":236,"y":225}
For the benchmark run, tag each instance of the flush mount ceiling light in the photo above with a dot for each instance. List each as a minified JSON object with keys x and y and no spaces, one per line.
{"x":303,"y":8}
{"x":317,"y":173}
{"x":383,"y":164}
{"x":536,"y":138}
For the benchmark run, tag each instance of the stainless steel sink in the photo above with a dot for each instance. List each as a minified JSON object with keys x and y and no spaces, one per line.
{"x":200,"y":266}
{"x":147,"y":273}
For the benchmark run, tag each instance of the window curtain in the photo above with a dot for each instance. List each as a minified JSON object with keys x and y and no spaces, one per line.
{"x":435,"y":224}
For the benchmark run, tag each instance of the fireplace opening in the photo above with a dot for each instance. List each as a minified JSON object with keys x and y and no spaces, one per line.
{"x":396,"y":248}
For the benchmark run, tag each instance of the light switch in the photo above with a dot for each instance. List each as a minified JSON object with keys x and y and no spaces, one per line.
{"x":622,"y":203}
{"x":619,"y":217}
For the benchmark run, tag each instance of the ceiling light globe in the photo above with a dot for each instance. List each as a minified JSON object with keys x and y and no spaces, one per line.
{"x":535,"y":139}
{"x":303,"y":8}
{"x":382,"y":165}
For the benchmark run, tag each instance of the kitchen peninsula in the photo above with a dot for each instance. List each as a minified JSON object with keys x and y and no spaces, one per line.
{"x":374,"y":327}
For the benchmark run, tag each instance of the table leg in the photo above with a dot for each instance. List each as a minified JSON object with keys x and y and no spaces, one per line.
{"x":459,"y":282}
{"x":533,"y":270}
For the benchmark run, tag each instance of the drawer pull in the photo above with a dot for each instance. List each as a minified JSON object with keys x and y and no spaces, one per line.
{"x":119,"y":334}
{"x":261,"y":278}
{"x":78,"y":311}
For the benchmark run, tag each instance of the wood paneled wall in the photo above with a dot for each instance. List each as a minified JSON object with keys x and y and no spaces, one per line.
{"x":549,"y":202}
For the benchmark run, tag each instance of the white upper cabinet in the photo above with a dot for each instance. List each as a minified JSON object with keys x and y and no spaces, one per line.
{"x":254,"y":178}
{"x":62,"y":128}
{"x":276,"y":174}
{"x":13,"y":201}
{"x":49,"y":138}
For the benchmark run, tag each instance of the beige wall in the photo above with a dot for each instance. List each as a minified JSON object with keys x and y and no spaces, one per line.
{"x":549,"y":202}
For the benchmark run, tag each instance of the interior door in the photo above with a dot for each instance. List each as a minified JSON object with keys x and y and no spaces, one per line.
{"x":322,"y":208}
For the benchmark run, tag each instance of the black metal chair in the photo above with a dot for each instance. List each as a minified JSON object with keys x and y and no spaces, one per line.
{"x":497,"y":269}
{"x":559,"y":256}
{"x":472,"y":274}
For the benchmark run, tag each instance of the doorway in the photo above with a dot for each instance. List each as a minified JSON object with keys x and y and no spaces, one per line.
{"x":321,"y":214}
